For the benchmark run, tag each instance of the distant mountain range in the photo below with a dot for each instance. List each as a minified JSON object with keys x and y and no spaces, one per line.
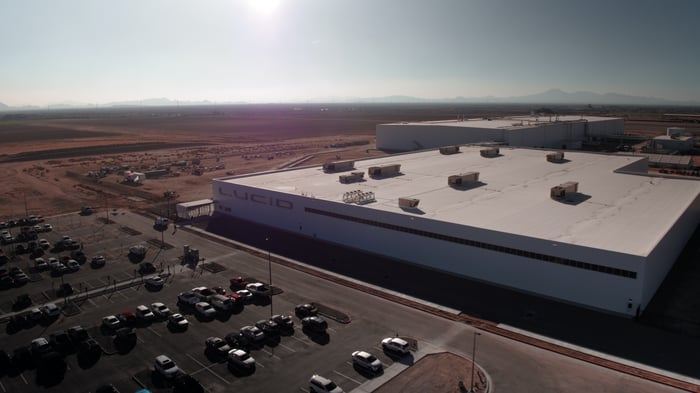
{"x":552,"y":96}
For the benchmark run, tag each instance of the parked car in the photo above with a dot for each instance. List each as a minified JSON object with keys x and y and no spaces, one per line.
{"x":305,"y":310}
{"x":240,"y":358}
{"x":283,"y":321}
{"x":155,"y":282}
{"x":269,"y":327}
{"x":217,"y":346}
{"x":125,"y":338}
{"x":185,"y":383}
{"x":20,"y":278}
{"x":21,"y":301}
{"x":245,"y":295}
{"x":258,"y":289}
{"x":50,"y":311}
{"x":314,"y":324}
{"x":160,"y":310}
{"x":90,"y":347}
{"x":237,"y":340}
{"x":40,"y":264}
{"x":39,"y":346}
{"x":178,"y":321}
{"x":188,"y":298}
{"x":205,"y":310}
{"x":64,"y":289}
{"x":396,"y":345}
{"x":238,"y":282}
{"x":127,"y":318}
{"x":77,"y":334}
{"x":319,"y":384}
{"x":146,"y":268}
{"x":60,"y":341}
{"x":73,"y":265}
{"x":78,"y":256}
{"x":252,"y":333}
{"x":367,"y":361}
{"x":98,"y":261}
{"x":111,"y":322}
{"x":166,"y":367}
{"x":43,"y":243}
{"x":144,"y":313}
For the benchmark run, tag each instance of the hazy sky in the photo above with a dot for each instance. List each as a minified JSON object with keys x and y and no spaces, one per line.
{"x":90,"y":51}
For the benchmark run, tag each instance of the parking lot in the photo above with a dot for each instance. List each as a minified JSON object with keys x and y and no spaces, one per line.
{"x":283,"y":363}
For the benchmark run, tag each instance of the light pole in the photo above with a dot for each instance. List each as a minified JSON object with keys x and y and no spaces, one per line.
{"x":269,"y":267}
{"x":473,"y":360}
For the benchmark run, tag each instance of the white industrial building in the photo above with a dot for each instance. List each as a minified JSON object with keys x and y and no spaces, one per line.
{"x":554,"y":132}
{"x":590,"y":229}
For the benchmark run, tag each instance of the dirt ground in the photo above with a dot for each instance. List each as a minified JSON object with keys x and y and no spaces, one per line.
{"x":436,"y":373}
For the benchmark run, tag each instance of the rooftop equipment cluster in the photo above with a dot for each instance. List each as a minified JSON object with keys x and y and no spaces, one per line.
{"x":490,"y":152}
{"x":384,"y":170}
{"x":555,"y":157}
{"x":338,"y":166}
{"x":560,"y":191}
{"x":352,"y":177}
{"x":462,"y":179}
{"x":359,"y":197}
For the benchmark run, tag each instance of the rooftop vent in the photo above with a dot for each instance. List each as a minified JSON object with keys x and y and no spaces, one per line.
{"x":384,"y":170}
{"x":352,"y":177}
{"x":490,"y":152}
{"x":449,"y":149}
{"x":408,"y":202}
{"x":462,"y":178}
{"x":560,"y":191}
{"x":338,"y":166}
{"x":555,"y":157}
{"x":359,"y":197}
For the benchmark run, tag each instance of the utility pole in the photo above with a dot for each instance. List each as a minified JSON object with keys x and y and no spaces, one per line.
{"x":473,"y":360}
{"x":269,"y":267}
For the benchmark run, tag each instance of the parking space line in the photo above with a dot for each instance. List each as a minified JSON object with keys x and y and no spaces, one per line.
{"x":123,"y":295}
{"x":205,"y":367}
{"x":288,"y":348}
{"x":154,"y":332}
{"x":347,"y":377}
{"x":3,"y":387}
{"x":270,"y":353}
{"x":108,"y":298}
{"x":299,"y":339}
{"x":331,"y":330}
{"x":24,"y":379}
{"x":259,"y":364}
{"x":91,"y":302}
{"x":139,"y":338}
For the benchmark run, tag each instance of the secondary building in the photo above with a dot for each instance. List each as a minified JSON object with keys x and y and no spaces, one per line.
{"x":556,"y":132}
{"x":590,"y":229}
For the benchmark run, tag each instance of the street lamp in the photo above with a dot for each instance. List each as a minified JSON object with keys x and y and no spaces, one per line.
{"x":269,"y":267}
{"x":473,"y":360}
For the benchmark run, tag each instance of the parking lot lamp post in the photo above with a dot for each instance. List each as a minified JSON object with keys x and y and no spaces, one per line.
{"x":269,"y":267}
{"x":473,"y":360}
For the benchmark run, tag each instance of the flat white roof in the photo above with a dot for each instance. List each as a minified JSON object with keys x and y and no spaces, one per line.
{"x":513,"y":122}
{"x":191,"y":204}
{"x":624,"y":213}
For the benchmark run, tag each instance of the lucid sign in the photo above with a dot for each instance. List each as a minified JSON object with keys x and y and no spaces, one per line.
{"x":258,"y":198}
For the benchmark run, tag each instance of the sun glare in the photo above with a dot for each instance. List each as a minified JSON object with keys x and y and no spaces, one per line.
{"x":264,"y":6}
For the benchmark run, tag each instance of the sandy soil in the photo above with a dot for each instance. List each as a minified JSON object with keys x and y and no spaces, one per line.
{"x":436,"y":373}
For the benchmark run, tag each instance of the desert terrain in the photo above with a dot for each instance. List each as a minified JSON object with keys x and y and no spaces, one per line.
{"x":58,"y":161}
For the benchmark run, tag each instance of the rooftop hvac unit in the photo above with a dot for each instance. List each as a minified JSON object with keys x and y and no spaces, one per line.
{"x":462,"y":178}
{"x":490,"y":152}
{"x":555,"y":157}
{"x":449,"y":149}
{"x":338,"y":166}
{"x":560,"y":191}
{"x":384,"y":170}
{"x":408,"y":202}
{"x":358,"y":196}
{"x":351,"y":178}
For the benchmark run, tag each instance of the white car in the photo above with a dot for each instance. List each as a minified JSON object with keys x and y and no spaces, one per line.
{"x":178,"y":321}
{"x":144,"y":313}
{"x":319,"y":384}
{"x":160,"y":310}
{"x":395,"y":344}
{"x":166,"y":367}
{"x":111,"y":322}
{"x":155,"y":282}
{"x":252,"y":333}
{"x":241,"y":358}
{"x":205,"y":310}
{"x":51,"y":310}
{"x":258,"y":288}
{"x":245,"y":295}
{"x":367,"y":361}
